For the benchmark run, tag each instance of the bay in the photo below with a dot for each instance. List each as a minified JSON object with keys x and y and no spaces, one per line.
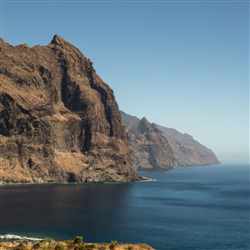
{"x":203,"y":207}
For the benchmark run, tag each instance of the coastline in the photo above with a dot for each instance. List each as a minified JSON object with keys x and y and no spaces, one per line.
{"x":105,"y":203}
{"x":72,"y":183}
{"x":77,"y":243}
{"x":142,"y":178}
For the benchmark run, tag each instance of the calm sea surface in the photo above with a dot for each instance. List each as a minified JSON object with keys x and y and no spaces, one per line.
{"x":186,"y":208}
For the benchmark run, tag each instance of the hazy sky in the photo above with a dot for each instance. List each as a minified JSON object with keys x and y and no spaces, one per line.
{"x":181,"y":64}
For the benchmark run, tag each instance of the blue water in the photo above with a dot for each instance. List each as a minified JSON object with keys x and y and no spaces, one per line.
{"x":186,"y":208}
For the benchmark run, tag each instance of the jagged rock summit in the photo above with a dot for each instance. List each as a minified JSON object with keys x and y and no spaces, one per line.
{"x":59,"y":122}
{"x":150,"y":147}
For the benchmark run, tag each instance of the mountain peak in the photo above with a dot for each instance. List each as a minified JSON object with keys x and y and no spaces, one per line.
{"x":58,"y":40}
{"x":144,"y":120}
{"x":60,"y":106}
{"x":155,"y":146}
{"x":144,"y":126}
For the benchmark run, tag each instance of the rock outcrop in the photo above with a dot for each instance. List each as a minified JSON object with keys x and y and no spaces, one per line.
{"x":59,"y":122}
{"x":150,"y":147}
{"x":158,"y":147}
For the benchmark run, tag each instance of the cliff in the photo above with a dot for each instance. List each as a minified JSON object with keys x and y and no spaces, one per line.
{"x":188,"y":151}
{"x":158,"y":147}
{"x":150,"y":147}
{"x":59,"y":122}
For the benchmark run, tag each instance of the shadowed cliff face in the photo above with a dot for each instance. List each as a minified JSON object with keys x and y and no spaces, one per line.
{"x":58,"y":120}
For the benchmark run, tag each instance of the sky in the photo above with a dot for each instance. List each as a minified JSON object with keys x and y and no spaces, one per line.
{"x":182,"y":64}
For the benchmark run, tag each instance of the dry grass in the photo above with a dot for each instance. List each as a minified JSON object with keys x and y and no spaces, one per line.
{"x":68,"y":245}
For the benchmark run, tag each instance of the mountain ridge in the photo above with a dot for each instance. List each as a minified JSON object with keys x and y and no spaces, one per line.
{"x":185,"y":150}
{"x":59,"y":121}
{"x":150,"y":147}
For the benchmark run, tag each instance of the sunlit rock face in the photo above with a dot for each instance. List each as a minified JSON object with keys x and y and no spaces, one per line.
{"x":149,"y":145}
{"x":158,"y":147}
{"x":59,"y":122}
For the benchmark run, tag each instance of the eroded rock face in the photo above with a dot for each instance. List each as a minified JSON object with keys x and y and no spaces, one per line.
{"x":150,"y":147}
{"x":188,"y":151}
{"x":58,"y":120}
{"x":158,"y":147}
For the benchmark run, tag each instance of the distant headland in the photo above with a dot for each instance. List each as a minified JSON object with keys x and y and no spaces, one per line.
{"x":156,"y":147}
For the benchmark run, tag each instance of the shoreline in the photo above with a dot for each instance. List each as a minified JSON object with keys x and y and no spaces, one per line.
{"x":26,"y":244}
{"x":144,"y":179}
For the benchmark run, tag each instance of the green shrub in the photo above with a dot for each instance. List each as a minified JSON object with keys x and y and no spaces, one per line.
{"x":113,"y":244}
{"x":90,"y":246}
{"x":78,"y":240}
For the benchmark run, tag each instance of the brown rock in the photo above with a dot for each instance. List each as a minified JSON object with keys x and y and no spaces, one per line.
{"x":155,"y":146}
{"x":59,"y":122}
{"x":69,"y":245}
{"x":188,"y":151}
{"x":150,"y":147}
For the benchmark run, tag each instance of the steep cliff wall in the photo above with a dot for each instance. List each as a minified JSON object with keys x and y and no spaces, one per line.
{"x":188,"y":151}
{"x":150,"y":147}
{"x":58,"y":120}
{"x":157,"y":147}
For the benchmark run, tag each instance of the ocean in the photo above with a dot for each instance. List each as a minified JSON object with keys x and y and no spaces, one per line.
{"x":188,"y":208}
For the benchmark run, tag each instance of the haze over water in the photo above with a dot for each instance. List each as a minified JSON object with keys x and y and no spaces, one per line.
{"x":186,"y":208}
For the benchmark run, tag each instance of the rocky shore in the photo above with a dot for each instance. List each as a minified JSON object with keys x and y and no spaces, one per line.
{"x":76,"y":244}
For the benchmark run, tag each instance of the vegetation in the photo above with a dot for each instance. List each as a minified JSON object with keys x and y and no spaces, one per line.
{"x":59,"y":247}
{"x":78,"y":240}
{"x":113,"y":244}
{"x":76,"y":244}
{"x":130,"y":248}
{"x":90,"y":246}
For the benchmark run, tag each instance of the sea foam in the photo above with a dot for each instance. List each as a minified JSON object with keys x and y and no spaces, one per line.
{"x":17,"y":237}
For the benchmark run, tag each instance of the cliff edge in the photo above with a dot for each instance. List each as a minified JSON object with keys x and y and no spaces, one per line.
{"x":59,"y":122}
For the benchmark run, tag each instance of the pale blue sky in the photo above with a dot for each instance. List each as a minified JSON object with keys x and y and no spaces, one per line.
{"x":181,"y":64}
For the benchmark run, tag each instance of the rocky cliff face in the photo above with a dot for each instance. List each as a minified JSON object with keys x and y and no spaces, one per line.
{"x":150,"y":147}
{"x":158,"y":147}
{"x":129,"y":120}
{"x":58,"y":120}
{"x":187,"y":151}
